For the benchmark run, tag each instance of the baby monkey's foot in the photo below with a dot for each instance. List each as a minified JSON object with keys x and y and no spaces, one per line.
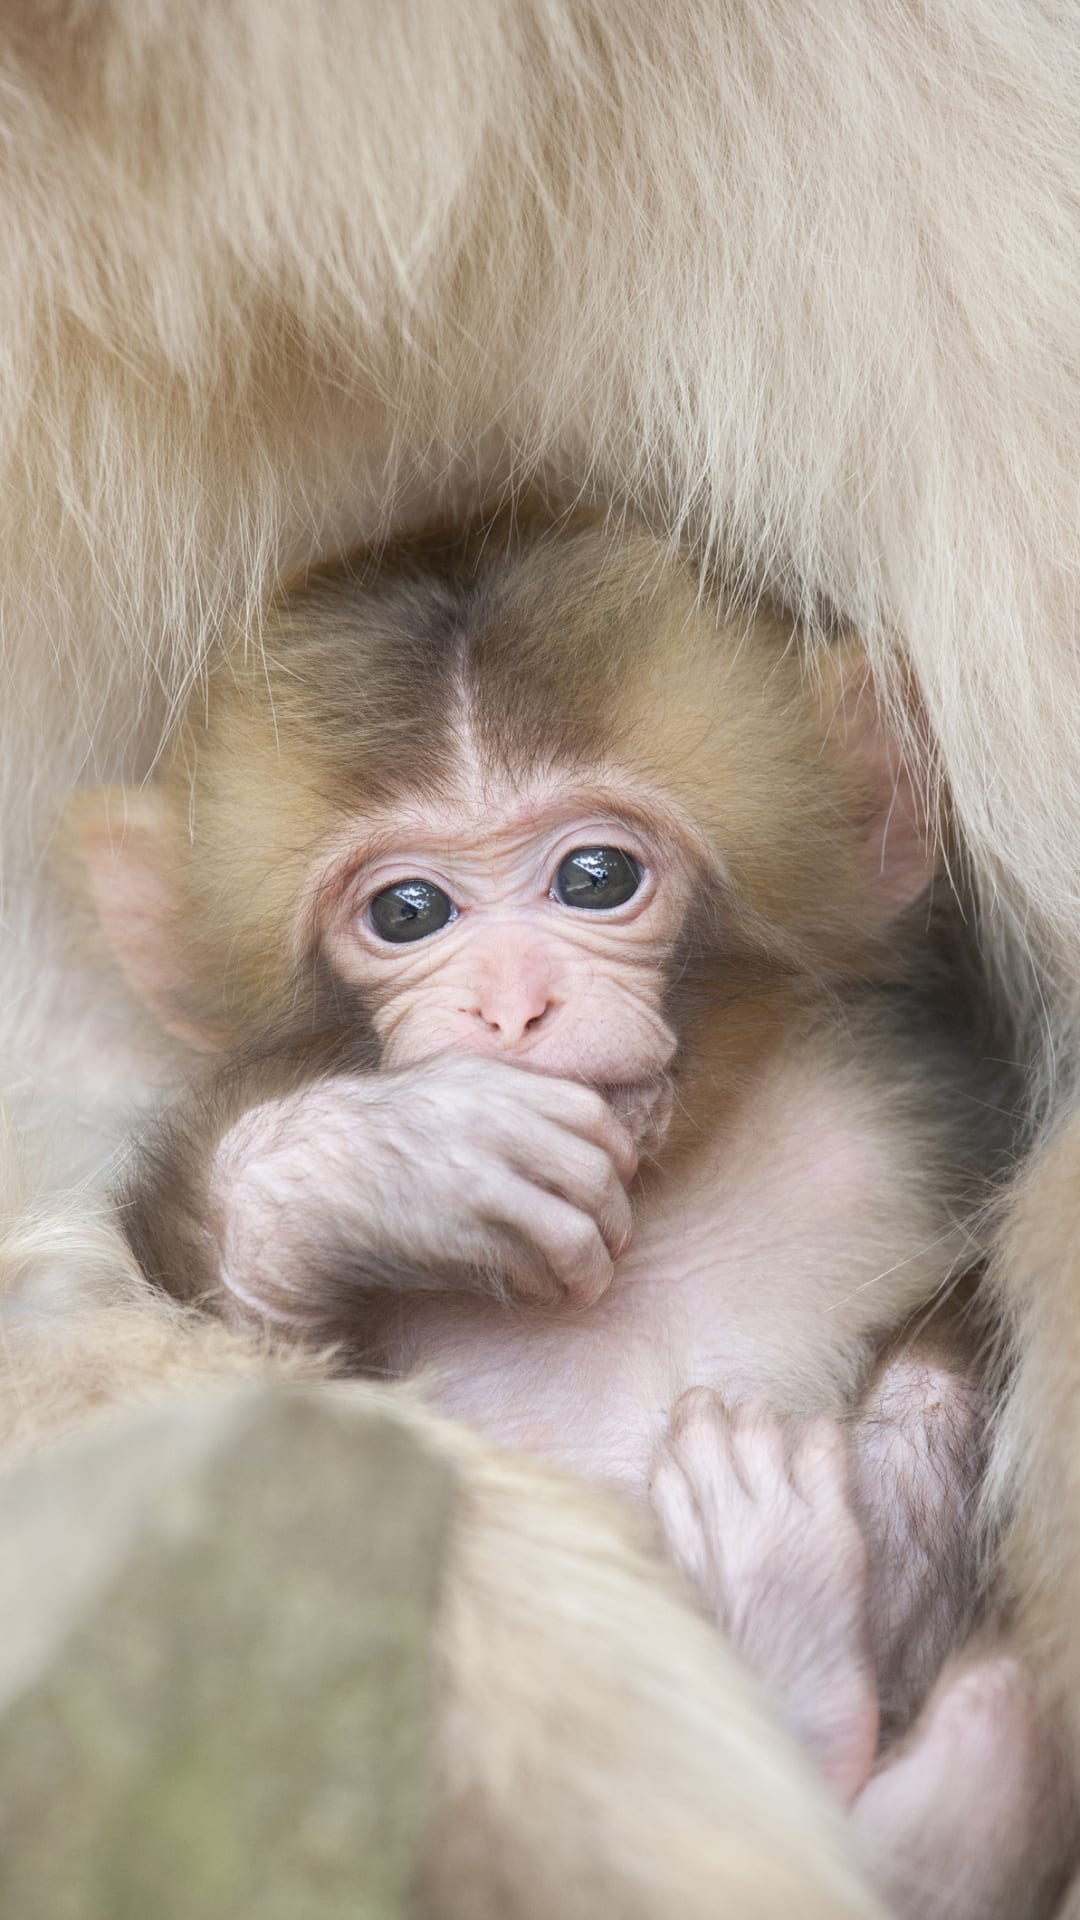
{"x":755,"y":1509}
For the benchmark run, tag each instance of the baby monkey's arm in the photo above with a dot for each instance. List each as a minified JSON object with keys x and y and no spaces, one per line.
{"x":294,"y":1186}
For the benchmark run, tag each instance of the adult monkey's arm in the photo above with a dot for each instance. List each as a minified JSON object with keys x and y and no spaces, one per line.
{"x":589,"y":1744}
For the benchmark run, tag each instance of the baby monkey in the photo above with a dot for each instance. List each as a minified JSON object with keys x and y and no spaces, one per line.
{"x":589,"y":1044}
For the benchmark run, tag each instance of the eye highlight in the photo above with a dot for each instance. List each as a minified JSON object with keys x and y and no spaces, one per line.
{"x":410,"y":910}
{"x":597,"y":877}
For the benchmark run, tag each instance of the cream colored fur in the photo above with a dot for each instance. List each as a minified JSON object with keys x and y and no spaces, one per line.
{"x":800,"y":279}
{"x":597,"y":1749}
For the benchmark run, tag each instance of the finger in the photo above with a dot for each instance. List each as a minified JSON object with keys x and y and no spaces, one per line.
{"x":585,"y":1112}
{"x":820,"y":1465}
{"x":566,"y":1241}
{"x":582,"y":1173}
{"x":678,"y":1516}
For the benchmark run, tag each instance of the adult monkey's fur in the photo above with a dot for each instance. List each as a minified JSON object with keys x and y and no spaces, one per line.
{"x":802,"y":279}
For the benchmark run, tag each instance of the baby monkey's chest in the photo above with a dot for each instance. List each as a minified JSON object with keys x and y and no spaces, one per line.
{"x":695,"y":1303}
{"x":757,"y":1272}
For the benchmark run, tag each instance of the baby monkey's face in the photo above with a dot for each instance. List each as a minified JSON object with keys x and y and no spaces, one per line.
{"x":534,"y":799}
{"x":535,"y":922}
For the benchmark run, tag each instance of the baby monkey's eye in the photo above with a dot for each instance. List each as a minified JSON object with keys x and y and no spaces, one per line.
{"x":597,"y":877}
{"x":410,"y":911}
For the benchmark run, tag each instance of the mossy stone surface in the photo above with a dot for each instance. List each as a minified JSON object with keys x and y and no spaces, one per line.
{"x":215,"y":1699}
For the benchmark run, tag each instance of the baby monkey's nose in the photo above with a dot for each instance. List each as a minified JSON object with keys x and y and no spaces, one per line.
{"x":513,"y":1001}
{"x":512,"y":1017}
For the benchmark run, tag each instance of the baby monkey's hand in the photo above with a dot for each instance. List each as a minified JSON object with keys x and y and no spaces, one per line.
{"x":460,"y":1172}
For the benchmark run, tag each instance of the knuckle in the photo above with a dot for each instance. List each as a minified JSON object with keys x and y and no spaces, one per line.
{"x":490,"y":1197}
{"x":596,"y":1172}
{"x":596,"y":1113}
{"x":583,"y":1107}
{"x":579,"y":1240}
{"x":578,"y":1251}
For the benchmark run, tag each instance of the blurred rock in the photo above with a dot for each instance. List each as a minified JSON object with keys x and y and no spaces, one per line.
{"x":215,"y":1654}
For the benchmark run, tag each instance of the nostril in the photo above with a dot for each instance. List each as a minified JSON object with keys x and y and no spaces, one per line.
{"x":511,"y":1025}
{"x":485,"y":1019}
{"x":536,"y":1019}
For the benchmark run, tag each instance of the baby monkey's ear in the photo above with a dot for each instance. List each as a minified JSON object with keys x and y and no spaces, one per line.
{"x":884,"y":738}
{"x":116,"y":845}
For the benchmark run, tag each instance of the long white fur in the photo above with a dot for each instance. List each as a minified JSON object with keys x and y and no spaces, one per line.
{"x":803,"y":277}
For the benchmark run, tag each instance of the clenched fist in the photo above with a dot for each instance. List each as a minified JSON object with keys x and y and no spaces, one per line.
{"x":462,"y":1172}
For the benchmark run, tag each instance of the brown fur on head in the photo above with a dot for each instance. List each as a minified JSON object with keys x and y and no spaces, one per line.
{"x":521,"y":652}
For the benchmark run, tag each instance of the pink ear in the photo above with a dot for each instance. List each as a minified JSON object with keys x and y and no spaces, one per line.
{"x":899,"y":832}
{"x":121,"y":836}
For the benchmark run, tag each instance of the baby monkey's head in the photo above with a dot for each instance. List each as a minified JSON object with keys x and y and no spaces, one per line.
{"x":523,"y":791}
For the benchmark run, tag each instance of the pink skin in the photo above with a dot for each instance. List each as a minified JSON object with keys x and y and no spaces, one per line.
{"x":518,"y":974}
{"x":970,"y":1817}
{"x":528,"y":1190}
{"x":755,"y":1510}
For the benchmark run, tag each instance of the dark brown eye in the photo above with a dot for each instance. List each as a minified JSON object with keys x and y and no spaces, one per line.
{"x":595,"y":877}
{"x":410,"y":911}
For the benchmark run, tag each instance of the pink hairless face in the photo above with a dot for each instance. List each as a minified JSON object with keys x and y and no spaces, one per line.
{"x":537,"y":926}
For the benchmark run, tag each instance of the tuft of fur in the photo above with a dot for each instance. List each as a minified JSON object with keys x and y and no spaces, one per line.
{"x":803,"y":280}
